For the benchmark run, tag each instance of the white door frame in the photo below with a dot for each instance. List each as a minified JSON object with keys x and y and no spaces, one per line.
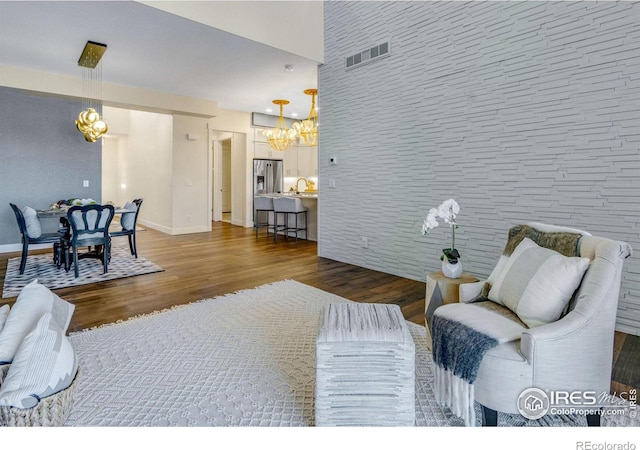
{"x":215,"y":180}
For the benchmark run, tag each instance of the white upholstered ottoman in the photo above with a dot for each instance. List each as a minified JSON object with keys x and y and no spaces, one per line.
{"x":365,"y":367}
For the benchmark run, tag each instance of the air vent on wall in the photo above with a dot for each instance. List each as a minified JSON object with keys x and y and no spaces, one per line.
{"x":367,"y":56}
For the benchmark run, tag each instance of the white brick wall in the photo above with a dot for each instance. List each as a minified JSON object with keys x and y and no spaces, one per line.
{"x":522,"y":111}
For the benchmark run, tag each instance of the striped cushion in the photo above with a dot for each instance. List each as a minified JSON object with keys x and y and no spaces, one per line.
{"x":537,"y":283}
{"x":45,"y":364}
{"x":34,"y":300}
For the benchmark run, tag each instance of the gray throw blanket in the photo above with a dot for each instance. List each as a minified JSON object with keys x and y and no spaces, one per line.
{"x":459,"y":348}
{"x":462,"y":334}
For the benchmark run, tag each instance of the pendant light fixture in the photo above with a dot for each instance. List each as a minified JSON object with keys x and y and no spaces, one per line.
{"x":308,"y":129}
{"x":89,"y":121}
{"x":280,"y":137}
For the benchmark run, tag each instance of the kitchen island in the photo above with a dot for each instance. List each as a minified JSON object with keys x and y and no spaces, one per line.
{"x":310,"y":201}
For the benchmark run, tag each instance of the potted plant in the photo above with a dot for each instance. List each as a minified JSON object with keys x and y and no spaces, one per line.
{"x":447,"y":211}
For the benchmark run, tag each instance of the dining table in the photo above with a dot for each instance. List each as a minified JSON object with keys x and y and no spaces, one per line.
{"x":65,"y":232}
{"x":56,"y":213}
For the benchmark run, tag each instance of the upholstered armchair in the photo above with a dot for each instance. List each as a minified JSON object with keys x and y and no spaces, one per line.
{"x":572,"y":353}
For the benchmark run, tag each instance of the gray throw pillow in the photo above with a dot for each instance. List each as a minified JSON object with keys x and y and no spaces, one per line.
{"x":537,"y":283}
{"x":128,"y":219}
{"x":33,"y":223}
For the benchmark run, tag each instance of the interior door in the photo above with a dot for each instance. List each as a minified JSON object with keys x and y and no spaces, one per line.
{"x":226,"y":176}
{"x":216,"y":185}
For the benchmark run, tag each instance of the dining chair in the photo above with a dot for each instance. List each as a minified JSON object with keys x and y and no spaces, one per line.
{"x":129,"y":223}
{"x":31,"y":232}
{"x":89,"y":227}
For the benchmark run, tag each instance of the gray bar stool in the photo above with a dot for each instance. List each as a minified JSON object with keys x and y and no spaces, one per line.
{"x":262,"y":204}
{"x":289,"y":207}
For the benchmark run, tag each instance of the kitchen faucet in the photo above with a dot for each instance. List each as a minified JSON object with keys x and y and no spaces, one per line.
{"x":310,"y":186}
{"x":306,"y":183}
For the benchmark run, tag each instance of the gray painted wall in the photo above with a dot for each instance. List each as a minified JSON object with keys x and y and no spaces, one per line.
{"x":43,"y":157}
{"x":522,"y":111}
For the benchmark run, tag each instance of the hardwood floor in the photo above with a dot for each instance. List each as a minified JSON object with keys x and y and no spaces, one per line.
{"x":229,"y":259}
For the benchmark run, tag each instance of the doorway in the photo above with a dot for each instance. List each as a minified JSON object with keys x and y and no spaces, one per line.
{"x":221,"y":176}
{"x":226,"y":180}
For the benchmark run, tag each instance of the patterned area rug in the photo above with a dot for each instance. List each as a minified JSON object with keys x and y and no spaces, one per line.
{"x":245,"y":359}
{"x":122,"y":265}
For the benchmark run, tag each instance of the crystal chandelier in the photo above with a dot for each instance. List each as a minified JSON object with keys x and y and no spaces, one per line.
{"x":280,"y":137}
{"x":308,"y":129}
{"x":89,"y":122}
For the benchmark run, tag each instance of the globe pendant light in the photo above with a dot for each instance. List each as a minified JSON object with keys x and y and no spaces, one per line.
{"x":89,"y":121}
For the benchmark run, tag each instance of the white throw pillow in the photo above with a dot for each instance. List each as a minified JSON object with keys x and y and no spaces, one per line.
{"x":127,"y":220}
{"x":34,"y":230}
{"x":4,"y":313}
{"x":537,"y":283}
{"x":34,"y":300}
{"x":45,"y":363}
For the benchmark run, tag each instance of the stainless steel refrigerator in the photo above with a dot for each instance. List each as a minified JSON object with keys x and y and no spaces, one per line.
{"x":267,"y":176}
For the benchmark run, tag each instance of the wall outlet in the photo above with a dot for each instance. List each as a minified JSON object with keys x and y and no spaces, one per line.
{"x":332,"y":183}
{"x":85,"y":183}
{"x":364,"y":241}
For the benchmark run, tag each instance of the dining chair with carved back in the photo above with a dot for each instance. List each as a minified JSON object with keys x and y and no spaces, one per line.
{"x":31,"y":232}
{"x":129,"y":224}
{"x":89,"y":227}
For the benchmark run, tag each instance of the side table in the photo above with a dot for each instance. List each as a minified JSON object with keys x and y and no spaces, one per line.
{"x":440,"y":291}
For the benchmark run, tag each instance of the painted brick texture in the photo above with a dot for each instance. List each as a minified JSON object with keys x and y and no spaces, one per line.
{"x":521,"y":111}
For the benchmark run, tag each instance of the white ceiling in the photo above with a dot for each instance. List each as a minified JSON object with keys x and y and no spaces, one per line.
{"x":155,"y":50}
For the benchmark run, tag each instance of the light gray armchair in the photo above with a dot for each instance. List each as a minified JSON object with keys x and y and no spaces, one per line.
{"x":573,"y":353}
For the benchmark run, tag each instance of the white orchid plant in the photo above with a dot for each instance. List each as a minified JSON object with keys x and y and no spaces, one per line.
{"x":447,"y":211}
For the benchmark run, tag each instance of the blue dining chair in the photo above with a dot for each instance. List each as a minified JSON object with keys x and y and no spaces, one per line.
{"x":129,"y":223}
{"x":31,"y":232}
{"x":89,"y":227}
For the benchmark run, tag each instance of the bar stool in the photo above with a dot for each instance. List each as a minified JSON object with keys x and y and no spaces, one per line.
{"x":289,"y":206}
{"x":262,"y":203}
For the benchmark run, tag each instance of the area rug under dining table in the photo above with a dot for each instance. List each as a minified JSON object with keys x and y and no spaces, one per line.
{"x":42,"y":268}
{"x":243,"y":359}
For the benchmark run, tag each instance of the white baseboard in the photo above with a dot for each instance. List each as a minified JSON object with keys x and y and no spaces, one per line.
{"x":174,"y":231}
{"x":155,"y":226}
{"x":238,"y":223}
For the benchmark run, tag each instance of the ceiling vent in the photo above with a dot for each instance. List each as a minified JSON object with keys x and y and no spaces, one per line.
{"x":368,"y":56}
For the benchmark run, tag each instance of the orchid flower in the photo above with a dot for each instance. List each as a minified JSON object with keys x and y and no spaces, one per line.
{"x":447,"y":211}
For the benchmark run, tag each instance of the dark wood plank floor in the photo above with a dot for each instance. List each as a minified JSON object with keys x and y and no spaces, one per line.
{"x":229,"y":259}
